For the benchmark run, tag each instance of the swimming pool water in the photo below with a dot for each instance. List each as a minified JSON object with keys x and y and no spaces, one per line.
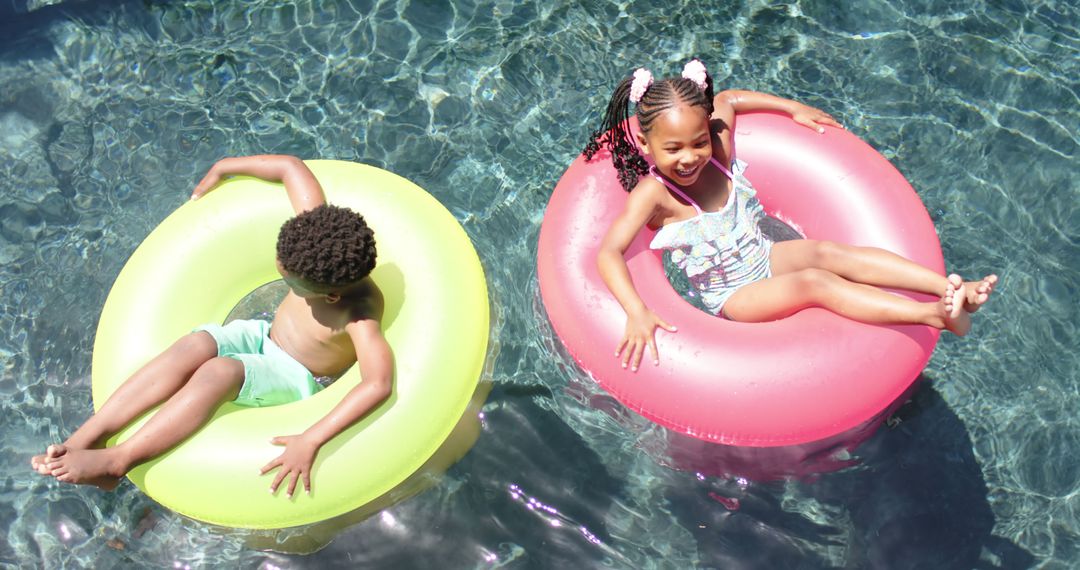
{"x":110,"y":112}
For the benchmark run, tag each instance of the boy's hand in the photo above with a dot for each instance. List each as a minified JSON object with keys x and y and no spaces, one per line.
{"x":295,"y":461}
{"x":813,"y":117}
{"x":640,"y":333}
{"x":212,"y":178}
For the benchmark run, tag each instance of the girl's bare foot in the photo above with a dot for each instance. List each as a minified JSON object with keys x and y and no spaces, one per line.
{"x":955,"y":319}
{"x":955,"y":294}
{"x":98,"y":467}
{"x":978,"y":292}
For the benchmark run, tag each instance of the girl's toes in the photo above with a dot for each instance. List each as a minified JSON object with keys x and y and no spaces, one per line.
{"x":954,"y":300}
{"x":958,"y":301}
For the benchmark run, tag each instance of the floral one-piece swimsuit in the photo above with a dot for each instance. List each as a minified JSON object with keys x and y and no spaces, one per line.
{"x":723,"y":250}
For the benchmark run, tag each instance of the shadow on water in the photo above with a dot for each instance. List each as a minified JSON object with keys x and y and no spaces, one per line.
{"x":23,"y":23}
{"x":540,"y":490}
{"x":917,"y":499}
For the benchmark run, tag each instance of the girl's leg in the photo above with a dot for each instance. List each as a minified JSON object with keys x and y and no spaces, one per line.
{"x":152,"y":384}
{"x":215,"y":382}
{"x":785,"y":294}
{"x":872,"y":266}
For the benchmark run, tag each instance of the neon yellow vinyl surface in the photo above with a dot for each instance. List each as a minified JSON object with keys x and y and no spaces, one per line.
{"x":208,"y":254}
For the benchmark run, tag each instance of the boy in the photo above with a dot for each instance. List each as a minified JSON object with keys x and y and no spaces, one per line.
{"x":327,"y":321}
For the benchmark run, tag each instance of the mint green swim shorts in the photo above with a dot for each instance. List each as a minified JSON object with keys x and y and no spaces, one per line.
{"x":271,"y":376}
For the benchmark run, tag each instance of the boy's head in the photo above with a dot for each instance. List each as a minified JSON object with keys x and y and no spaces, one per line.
{"x":325,"y":251}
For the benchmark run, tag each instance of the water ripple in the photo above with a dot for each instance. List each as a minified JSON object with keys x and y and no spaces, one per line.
{"x":111,"y":111}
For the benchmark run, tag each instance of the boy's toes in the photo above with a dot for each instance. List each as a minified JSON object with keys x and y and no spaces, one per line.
{"x":43,"y":463}
{"x":54,"y":451}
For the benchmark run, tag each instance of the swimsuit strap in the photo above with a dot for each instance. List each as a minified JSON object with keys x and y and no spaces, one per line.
{"x":675,"y":189}
{"x":713,"y":160}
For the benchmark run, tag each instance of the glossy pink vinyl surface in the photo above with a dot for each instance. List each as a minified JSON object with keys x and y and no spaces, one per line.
{"x":801,"y":379}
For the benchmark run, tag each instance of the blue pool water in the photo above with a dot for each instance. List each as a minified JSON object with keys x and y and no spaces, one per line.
{"x":111,"y":111}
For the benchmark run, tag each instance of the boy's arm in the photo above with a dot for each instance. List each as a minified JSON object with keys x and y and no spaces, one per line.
{"x":376,"y":368}
{"x":740,"y":101}
{"x":304,"y":190}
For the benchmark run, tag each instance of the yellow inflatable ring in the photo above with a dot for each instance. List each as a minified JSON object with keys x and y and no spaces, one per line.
{"x":208,"y":254}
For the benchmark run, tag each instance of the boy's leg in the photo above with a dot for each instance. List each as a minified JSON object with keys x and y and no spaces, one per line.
{"x":873,"y":266}
{"x":783,"y":295}
{"x":215,"y":382}
{"x":152,"y":384}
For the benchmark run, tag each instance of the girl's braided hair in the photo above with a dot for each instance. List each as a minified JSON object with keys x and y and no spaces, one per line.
{"x":614,"y":132}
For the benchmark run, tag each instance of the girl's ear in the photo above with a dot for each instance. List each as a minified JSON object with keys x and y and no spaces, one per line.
{"x":642,"y":143}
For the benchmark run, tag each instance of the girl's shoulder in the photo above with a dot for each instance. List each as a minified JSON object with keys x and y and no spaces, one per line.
{"x":650,"y":199}
{"x":648,"y":188}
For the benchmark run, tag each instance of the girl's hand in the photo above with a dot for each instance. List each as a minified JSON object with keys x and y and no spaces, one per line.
{"x":813,"y":117}
{"x":640,"y":333}
{"x":295,"y":461}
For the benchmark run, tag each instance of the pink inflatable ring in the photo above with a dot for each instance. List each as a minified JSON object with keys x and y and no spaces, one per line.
{"x":798,"y":380}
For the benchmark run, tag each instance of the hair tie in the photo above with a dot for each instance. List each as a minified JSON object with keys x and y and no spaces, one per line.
{"x":694,"y":70}
{"x":642,"y":81}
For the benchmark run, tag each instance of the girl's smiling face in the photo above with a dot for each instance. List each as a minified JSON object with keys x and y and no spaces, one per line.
{"x":679,"y":143}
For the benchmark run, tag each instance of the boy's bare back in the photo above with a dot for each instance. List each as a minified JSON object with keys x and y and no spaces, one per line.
{"x":315,"y":332}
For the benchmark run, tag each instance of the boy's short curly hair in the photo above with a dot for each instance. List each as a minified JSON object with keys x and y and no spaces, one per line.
{"x":327,"y":245}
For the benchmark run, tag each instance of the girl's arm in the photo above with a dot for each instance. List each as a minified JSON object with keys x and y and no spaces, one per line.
{"x":740,"y":101}
{"x":641,"y":322}
{"x":304,"y":190}
{"x":376,"y":368}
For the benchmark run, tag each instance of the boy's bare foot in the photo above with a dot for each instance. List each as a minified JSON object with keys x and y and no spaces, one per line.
{"x":98,"y":467}
{"x":978,"y":292}
{"x":955,"y":319}
{"x":39,"y":463}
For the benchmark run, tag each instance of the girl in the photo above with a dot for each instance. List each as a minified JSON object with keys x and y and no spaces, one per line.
{"x":707,"y":214}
